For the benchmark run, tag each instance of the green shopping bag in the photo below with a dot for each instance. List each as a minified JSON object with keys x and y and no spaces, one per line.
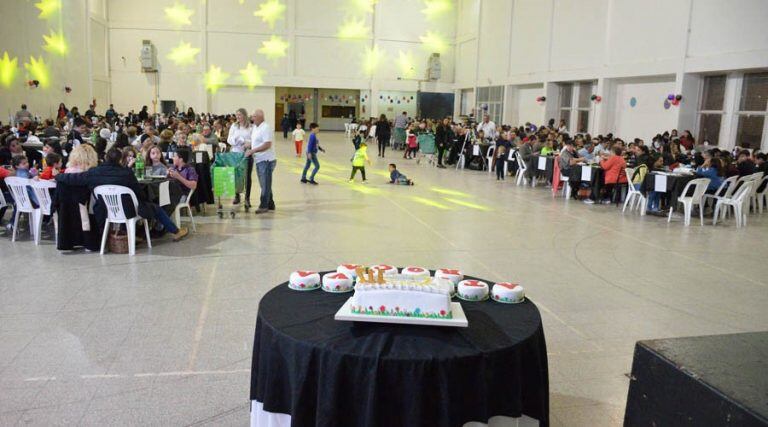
{"x":224,"y":182}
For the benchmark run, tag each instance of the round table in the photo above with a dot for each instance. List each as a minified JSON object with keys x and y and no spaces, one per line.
{"x":314,"y":370}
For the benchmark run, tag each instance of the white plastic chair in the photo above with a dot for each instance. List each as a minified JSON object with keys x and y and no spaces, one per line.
{"x":522,"y":168}
{"x":184,"y":204}
{"x":566,"y":186}
{"x":739,"y":203}
{"x":756,"y":178}
{"x":634,"y":197}
{"x":42,"y":191}
{"x":113,"y":200}
{"x":725,"y":189}
{"x":762,"y":196}
{"x":18,"y":187}
{"x":489,"y":158}
{"x":700,"y":187}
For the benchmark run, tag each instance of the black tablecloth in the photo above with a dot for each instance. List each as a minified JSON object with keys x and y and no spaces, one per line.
{"x":325,"y":372}
{"x":595,"y":183}
{"x":204,"y":191}
{"x":533,"y":165}
{"x":151,"y":189}
{"x":675,"y":186}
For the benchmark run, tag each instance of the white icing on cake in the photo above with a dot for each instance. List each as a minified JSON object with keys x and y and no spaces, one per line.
{"x":387,"y":269}
{"x":401,"y":295}
{"x":337,"y":282}
{"x":348,"y":269}
{"x":472,"y":290}
{"x":304,"y":279}
{"x":415,"y":273}
{"x":508,"y":292}
{"x":453,"y":275}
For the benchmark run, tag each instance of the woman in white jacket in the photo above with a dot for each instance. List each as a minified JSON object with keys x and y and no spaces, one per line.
{"x":239,"y":140}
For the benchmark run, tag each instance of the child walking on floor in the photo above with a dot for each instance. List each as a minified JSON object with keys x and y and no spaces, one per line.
{"x":359,"y":160}
{"x":298,"y":138}
{"x":312,"y":147}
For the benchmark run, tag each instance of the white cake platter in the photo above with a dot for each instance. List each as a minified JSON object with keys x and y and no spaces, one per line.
{"x":458,"y":319}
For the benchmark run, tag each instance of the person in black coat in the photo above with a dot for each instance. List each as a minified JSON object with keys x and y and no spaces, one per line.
{"x":112,"y":172}
{"x":443,"y":138}
{"x":383,"y":133}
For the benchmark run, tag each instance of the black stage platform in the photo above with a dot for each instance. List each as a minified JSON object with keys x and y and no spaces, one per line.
{"x":719,"y":380}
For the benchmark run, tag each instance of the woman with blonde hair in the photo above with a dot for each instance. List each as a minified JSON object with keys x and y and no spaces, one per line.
{"x":82,"y":158}
{"x":239,"y":140}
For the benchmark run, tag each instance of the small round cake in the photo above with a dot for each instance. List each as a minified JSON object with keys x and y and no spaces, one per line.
{"x":337,"y":282}
{"x":349,"y":269}
{"x":304,"y":280}
{"x":510,"y":293}
{"x":388,"y":270}
{"x":472,"y":290}
{"x":415,"y":273}
{"x":452,"y":275}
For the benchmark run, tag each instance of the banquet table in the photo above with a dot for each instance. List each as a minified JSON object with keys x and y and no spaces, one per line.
{"x":542,"y":166}
{"x":670,"y":185}
{"x":311,"y":370}
{"x":593,"y":176}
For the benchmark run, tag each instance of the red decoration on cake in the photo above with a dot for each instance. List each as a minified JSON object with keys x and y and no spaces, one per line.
{"x":415,"y":269}
{"x":338,"y":276}
{"x":473,"y":283}
{"x":382,"y":309}
{"x":351,"y":266}
{"x":305,"y":273}
{"x":449,"y":271}
{"x":507,"y":285}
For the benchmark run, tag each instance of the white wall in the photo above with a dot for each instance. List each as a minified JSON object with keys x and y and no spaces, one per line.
{"x":528,"y":110}
{"x":21,"y":36}
{"x":649,"y":116}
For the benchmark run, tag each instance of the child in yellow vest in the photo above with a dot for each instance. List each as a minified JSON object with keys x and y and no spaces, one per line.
{"x":359,"y":160}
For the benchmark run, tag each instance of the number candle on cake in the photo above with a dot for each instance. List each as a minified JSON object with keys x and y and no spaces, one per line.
{"x":401,"y":295}
{"x":304,"y":280}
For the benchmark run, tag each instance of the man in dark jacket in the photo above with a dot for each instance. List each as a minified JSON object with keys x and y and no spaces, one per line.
{"x":745,"y":164}
{"x":112,"y":172}
{"x":443,"y":138}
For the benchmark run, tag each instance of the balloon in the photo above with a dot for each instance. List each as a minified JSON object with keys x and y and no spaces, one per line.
{"x":671,"y":97}
{"x":678,"y":97}
{"x":598,"y":98}
{"x":593,"y":97}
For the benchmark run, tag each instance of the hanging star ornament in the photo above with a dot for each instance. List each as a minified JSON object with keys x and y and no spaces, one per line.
{"x":179,"y":14}
{"x":434,"y":42}
{"x":55,"y":43}
{"x":48,"y":8}
{"x":215,"y":78}
{"x":38,"y":70}
{"x":353,"y":29}
{"x":183,"y":54}
{"x":252,"y":75}
{"x":372,"y":59}
{"x":8,"y":68}
{"x":270,"y":11}
{"x":436,"y":8}
{"x":274,"y":48}
{"x":405,"y":63}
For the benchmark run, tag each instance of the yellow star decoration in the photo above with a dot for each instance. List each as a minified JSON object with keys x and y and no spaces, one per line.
{"x":252,"y":75}
{"x":435,"y":8}
{"x":179,"y":14}
{"x":183,"y":54}
{"x":8,"y":69}
{"x":48,"y":8}
{"x":241,"y":1}
{"x":55,"y":43}
{"x":215,"y":78}
{"x":353,"y":29}
{"x":270,"y":11}
{"x":406,"y":65}
{"x":373,"y":57}
{"x":434,"y":42}
{"x":362,"y":6}
{"x":38,"y":70}
{"x":274,"y":48}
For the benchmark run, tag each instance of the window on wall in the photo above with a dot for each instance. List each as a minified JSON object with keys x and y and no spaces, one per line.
{"x":584,"y":106}
{"x":566,"y":100}
{"x":490,"y":100}
{"x":575,"y":105}
{"x":711,"y":109}
{"x":753,"y":109}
